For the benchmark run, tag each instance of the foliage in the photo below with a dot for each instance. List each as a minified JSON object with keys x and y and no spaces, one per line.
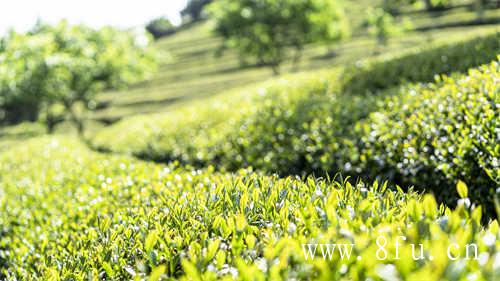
{"x":85,"y":216}
{"x":194,"y":9}
{"x":160,"y":27}
{"x":302,"y":124}
{"x":437,"y":4}
{"x":264,"y":30}
{"x":430,"y":5}
{"x":394,"y":6}
{"x":210,"y":132}
{"x":434,"y":134}
{"x":65,"y":65}
{"x":381,"y":25}
{"x":204,"y":74}
{"x":420,"y":64}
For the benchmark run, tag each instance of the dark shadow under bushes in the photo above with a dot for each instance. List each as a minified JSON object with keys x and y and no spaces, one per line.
{"x":474,"y":22}
{"x":3,"y":249}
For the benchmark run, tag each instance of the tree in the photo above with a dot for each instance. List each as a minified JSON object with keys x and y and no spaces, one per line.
{"x":160,"y":27}
{"x":194,"y":9}
{"x":382,"y":25}
{"x":265,"y":30}
{"x":64,"y":66}
{"x":394,"y":6}
{"x":433,"y":5}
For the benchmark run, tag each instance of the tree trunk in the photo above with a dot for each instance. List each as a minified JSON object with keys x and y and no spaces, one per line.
{"x":51,"y":125}
{"x":78,"y":122}
{"x":296,"y":58}
{"x":276,"y":69}
{"x":79,"y":125}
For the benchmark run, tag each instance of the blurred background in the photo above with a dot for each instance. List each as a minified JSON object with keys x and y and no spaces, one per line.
{"x":152,"y":55}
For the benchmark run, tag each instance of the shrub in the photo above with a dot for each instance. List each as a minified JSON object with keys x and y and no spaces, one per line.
{"x":420,"y":65}
{"x":297,"y":104}
{"x":71,"y":214}
{"x":381,"y":25}
{"x":301,"y":124}
{"x":433,"y":134}
{"x":177,"y":135}
{"x":160,"y":27}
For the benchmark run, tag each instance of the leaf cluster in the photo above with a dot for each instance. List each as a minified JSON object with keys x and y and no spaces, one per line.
{"x":68,"y":213}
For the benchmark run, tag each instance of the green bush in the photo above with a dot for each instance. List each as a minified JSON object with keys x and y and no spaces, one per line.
{"x":180,"y":135}
{"x":433,"y":134}
{"x":215,"y":132}
{"x":67,"y":213}
{"x":300,"y":124}
{"x":160,"y":27}
{"x":420,"y":65}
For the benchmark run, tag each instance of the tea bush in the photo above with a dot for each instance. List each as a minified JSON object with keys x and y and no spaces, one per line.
{"x":210,"y":132}
{"x":67,"y":213}
{"x":304,"y":124}
{"x":296,"y":124}
{"x":420,"y":65}
{"x":433,"y":134}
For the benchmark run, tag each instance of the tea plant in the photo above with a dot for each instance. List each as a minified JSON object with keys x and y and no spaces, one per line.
{"x":432,"y":134}
{"x":71,"y":214}
{"x":304,"y":124}
{"x":420,"y":65}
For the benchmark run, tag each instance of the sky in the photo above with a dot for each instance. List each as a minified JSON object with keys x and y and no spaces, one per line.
{"x":23,"y":14}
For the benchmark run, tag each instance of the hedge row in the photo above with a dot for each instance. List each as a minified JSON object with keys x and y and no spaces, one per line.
{"x":208,"y":133}
{"x":305,"y":124}
{"x":420,"y":65}
{"x":67,"y":213}
{"x":432,"y":135}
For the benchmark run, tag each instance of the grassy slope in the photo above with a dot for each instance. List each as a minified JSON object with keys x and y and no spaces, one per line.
{"x":195,"y":71}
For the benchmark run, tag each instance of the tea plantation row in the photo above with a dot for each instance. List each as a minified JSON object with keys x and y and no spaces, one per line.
{"x":67,"y":213}
{"x":427,"y":135}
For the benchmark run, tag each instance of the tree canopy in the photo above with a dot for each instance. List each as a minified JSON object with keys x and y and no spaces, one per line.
{"x":160,"y":27}
{"x":194,"y":9}
{"x":66,"y":65}
{"x":266,"y":29}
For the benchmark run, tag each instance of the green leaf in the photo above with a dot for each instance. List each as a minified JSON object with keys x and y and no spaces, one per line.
{"x":109,"y":270}
{"x":477,"y":214}
{"x":157,"y":273}
{"x":462,"y":189}
{"x":151,"y":240}
{"x":430,"y":205}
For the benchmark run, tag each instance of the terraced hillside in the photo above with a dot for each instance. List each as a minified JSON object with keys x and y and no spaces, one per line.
{"x":311,"y":123}
{"x":364,"y":165}
{"x":195,"y":71}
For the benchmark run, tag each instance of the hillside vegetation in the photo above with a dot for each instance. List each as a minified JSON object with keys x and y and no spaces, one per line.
{"x":193,"y":70}
{"x":306,"y":123}
{"x":88,"y":216}
{"x":216,"y":171}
